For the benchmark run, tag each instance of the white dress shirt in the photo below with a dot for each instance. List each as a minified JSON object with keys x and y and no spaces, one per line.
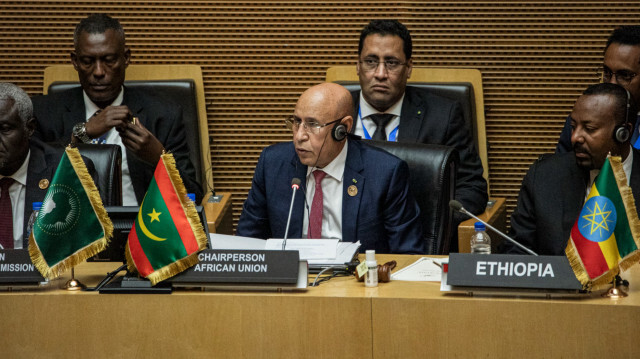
{"x":113,"y":137}
{"x":365,"y":110}
{"x":331,"y":196}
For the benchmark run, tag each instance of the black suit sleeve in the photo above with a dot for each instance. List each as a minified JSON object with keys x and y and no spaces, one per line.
{"x":471,"y":187}
{"x":523,"y":218}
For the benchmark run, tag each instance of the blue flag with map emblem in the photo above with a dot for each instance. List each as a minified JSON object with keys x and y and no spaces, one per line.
{"x":72,"y":225}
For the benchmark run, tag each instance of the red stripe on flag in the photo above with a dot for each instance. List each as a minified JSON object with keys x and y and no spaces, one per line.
{"x":590,"y":254}
{"x":175,"y":209}
{"x":137,"y":254}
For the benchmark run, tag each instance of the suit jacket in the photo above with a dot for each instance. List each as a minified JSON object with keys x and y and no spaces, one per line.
{"x":550,"y":200}
{"x":432,"y":119}
{"x":43,"y":163}
{"x":382,"y":215}
{"x":57,"y":114}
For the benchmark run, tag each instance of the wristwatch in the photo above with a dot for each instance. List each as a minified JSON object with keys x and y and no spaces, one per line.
{"x":80,"y":131}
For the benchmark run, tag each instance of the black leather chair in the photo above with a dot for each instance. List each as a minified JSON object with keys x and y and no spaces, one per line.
{"x":182,"y":92}
{"x":107,"y":160}
{"x":433,"y":172}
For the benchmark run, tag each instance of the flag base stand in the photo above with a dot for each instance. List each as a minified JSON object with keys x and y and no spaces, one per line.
{"x":73,"y":284}
{"x":618,"y":289}
{"x":132,"y":284}
{"x":615,"y":293}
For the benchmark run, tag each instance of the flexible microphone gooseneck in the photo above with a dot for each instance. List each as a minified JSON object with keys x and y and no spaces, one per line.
{"x":295,"y":185}
{"x":457,"y":206}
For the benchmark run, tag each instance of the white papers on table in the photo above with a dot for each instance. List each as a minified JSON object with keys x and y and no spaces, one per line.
{"x":308,"y":248}
{"x":425,"y":269}
{"x":225,"y":241}
{"x":315,"y":251}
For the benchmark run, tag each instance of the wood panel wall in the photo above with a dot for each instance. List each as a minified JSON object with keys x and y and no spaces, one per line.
{"x":258,"y":56}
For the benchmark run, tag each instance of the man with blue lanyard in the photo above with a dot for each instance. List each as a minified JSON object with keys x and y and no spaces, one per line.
{"x":621,"y":66}
{"x":388,"y":109}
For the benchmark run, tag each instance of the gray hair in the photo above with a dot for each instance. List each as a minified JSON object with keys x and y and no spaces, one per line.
{"x":21,"y":100}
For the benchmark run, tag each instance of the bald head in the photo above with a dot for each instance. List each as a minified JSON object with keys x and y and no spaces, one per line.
{"x":327,"y":105}
{"x":328,"y":96}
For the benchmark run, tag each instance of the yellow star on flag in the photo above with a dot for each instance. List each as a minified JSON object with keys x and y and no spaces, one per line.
{"x":155,"y":216}
{"x":598,"y":225}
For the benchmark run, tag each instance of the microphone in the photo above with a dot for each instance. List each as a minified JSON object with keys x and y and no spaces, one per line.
{"x":295,"y":185}
{"x":457,"y":206}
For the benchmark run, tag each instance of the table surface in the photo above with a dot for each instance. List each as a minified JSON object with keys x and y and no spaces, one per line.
{"x":340,"y":319}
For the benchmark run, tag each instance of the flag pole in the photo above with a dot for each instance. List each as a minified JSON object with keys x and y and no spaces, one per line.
{"x":73,"y":284}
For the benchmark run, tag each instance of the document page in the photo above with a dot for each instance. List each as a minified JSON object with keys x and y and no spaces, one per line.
{"x":425,"y":269}
{"x":308,"y":248}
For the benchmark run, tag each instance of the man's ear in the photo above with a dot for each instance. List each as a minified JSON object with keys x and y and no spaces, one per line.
{"x":348,"y":122}
{"x":74,"y":60}
{"x":30,"y":126}
{"x":127,"y":56}
{"x":409,"y":68}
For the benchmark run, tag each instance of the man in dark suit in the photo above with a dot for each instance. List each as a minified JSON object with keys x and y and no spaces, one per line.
{"x":26,"y":166}
{"x":555,"y":187}
{"x":621,"y":66}
{"x":353,"y":191}
{"x":388,"y":109}
{"x":103,"y":110}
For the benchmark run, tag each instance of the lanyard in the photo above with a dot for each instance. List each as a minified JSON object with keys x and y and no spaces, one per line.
{"x":392,"y":136}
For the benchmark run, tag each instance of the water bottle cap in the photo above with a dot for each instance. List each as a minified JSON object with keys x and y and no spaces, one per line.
{"x":479,"y":226}
{"x":192,"y":196}
{"x":371,"y":255}
{"x":36,"y":206}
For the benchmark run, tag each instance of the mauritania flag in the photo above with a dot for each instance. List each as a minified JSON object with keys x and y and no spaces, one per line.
{"x":72,"y":224}
{"x":605,"y":236}
{"x":167,"y":234}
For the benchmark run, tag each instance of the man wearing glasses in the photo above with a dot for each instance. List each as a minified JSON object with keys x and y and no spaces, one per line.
{"x":388,"y":110}
{"x":621,"y":66}
{"x":350,"y":190}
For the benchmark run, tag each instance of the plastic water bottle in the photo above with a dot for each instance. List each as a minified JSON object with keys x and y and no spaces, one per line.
{"x":35,"y":206}
{"x":480,"y":241}
{"x":371,"y":278}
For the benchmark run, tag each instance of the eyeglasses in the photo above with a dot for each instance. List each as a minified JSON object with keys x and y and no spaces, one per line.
{"x":623,"y":77}
{"x":293,"y":123}
{"x":392,"y":65}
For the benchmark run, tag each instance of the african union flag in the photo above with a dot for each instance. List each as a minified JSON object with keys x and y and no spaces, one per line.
{"x":167,"y":234}
{"x":72,"y":224}
{"x":605,"y":236}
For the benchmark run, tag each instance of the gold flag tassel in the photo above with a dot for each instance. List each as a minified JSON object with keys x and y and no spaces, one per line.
{"x":192,"y":216}
{"x":88,"y":251}
{"x":630,"y":207}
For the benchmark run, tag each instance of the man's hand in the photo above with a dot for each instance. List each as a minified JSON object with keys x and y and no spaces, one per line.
{"x":141,"y":142}
{"x":108,"y":118}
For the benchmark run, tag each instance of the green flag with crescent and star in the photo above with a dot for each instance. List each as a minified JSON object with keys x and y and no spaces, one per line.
{"x":167,"y":234}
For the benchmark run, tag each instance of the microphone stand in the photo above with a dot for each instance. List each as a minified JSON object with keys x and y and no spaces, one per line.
{"x":463,"y":210}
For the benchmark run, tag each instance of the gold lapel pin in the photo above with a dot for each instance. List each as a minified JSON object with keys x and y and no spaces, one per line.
{"x":352,"y":190}
{"x":43,"y":184}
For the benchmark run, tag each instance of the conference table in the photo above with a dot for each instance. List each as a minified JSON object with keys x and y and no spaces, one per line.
{"x":340,"y":318}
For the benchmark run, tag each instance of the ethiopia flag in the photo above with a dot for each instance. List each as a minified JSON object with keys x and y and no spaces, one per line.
{"x":72,"y":224}
{"x":605,"y":236}
{"x":167,"y":234}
